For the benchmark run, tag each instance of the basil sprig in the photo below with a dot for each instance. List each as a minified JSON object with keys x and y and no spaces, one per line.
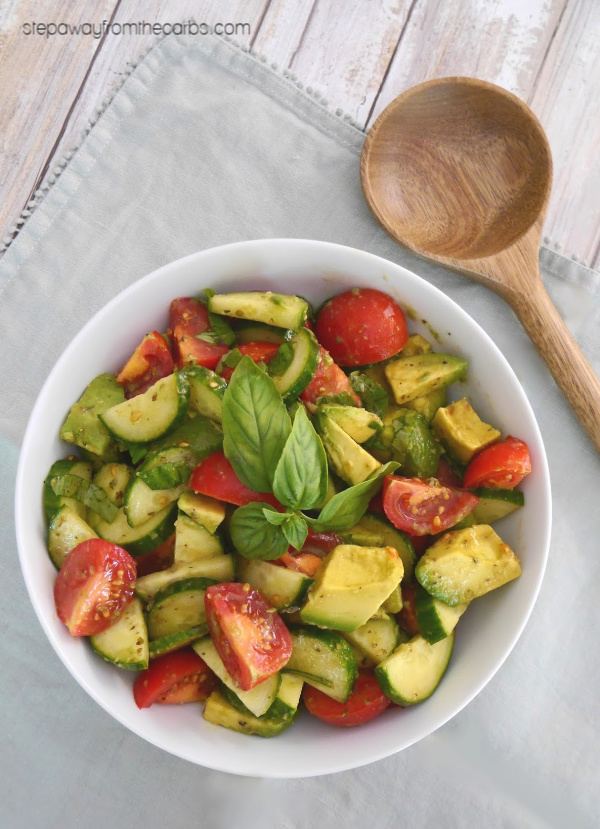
{"x":270,"y":453}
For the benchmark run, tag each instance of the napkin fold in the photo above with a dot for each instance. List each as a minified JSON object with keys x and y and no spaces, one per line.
{"x":203,"y":144}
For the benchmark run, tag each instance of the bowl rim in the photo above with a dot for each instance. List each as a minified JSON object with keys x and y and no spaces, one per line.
{"x":23,"y":502}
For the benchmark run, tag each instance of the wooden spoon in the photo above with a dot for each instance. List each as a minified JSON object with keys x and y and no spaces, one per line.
{"x":459,"y":171}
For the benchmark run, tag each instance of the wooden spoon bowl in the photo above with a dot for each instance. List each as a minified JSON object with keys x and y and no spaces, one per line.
{"x":460,"y":171}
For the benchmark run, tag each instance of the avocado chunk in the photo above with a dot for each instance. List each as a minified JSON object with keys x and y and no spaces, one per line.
{"x":416,"y":344}
{"x":206,"y":511}
{"x":351,"y":585}
{"x":83,"y":426}
{"x":465,"y":564}
{"x":418,"y":375}
{"x":374,"y":530}
{"x":462,"y":431}
{"x":428,"y":404}
{"x":348,"y":459}
{"x":377,"y":638}
{"x":356,"y":422}
{"x":495,"y":504}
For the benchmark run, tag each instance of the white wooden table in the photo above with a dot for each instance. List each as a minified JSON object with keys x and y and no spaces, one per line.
{"x":358,"y":53}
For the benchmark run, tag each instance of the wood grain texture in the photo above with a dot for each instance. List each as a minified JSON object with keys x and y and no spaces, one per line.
{"x":40,"y":79}
{"x":460,"y":172}
{"x":342,"y":50}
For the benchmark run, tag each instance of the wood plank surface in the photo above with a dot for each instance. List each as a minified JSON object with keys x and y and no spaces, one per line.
{"x":359,"y":54}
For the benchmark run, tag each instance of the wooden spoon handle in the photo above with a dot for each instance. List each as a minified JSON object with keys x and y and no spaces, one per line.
{"x":563,"y":357}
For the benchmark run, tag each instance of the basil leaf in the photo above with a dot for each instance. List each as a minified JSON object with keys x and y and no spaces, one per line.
{"x":348,"y":506}
{"x":256,"y":425}
{"x":300,"y":479}
{"x":282,"y":360}
{"x":344,"y":398}
{"x":374,"y":397}
{"x":221,"y":328}
{"x":295,"y":530}
{"x":253,"y":536}
{"x":276,"y":518}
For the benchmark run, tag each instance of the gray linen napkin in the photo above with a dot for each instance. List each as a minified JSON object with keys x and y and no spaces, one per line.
{"x":201,"y":146}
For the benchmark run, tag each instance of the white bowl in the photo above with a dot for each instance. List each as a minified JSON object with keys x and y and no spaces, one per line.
{"x":317,"y":270}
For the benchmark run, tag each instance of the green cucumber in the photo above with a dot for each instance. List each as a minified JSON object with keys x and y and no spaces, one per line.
{"x":414,"y":670}
{"x":143,"y":503}
{"x":66,"y":531}
{"x":324,"y":659}
{"x":302,"y":365}
{"x":194,"y":542}
{"x":125,"y":643}
{"x":281,"y":587}
{"x":259,"y":332}
{"x":259,"y":699}
{"x":218,"y":710}
{"x":178,"y":607}
{"x":435,"y":618}
{"x":374,"y":530}
{"x":114,"y":478}
{"x":136,"y":540}
{"x":280,"y":310}
{"x":176,"y":641}
{"x":150,"y":415}
{"x":393,"y":603}
{"x":169,"y":468}
{"x":219,"y":568}
{"x":376,"y":639}
{"x":52,"y":501}
{"x":206,"y":391}
{"x":495,"y":504}
{"x":206,"y":511}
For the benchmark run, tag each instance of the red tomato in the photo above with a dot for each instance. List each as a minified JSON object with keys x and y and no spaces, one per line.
{"x":306,"y":563}
{"x":328,"y":379}
{"x":214,"y":476}
{"x":189,"y":317}
{"x":158,"y":559}
{"x":361,"y":326}
{"x":421,"y":508}
{"x":249,"y":634}
{"x":93,"y":586}
{"x":503,"y":465}
{"x":259,"y":352}
{"x":320,"y":543}
{"x":366,"y":702}
{"x":174,"y":678}
{"x":407,"y":617}
{"x":150,"y":362}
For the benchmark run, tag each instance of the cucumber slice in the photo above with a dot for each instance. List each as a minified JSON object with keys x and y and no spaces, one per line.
{"x":414,"y":670}
{"x":374,"y":530}
{"x":136,"y":540}
{"x":376,"y":639}
{"x":495,"y":504}
{"x":178,"y":607}
{"x":281,"y":587}
{"x":52,"y":501}
{"x":280,"y":310}
{"x":169,"y":468}
{"x":152,"y":414}
{"x":206,"y":511}
{"x":393,"y":603}
{"x":86,"y":492}
{"x":302,"y":366}
{"x":114,"y":478}
{"x":176,"y":641}
{"x":219,"y":711}
{"x":259,"y":699}
{"x":125,"y":643}
{"x":435,"y":619}
{"x":252,"y":332}
{"x":194,"y":542}
{"x":66,"y":531}
{"x":324,"y":659}
{"x":143,"y":503}
{"x":219,"y":568}
{"x":206,"y":391}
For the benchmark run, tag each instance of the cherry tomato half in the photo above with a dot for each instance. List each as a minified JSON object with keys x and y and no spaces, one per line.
{"x":366,"y":702}
{"x":150,"y":361}
{"x":260,"y":352}
{"x":502,"y":465}
{"x":160,"y":558}
{"x":189,"y":317}
{"x":214,"y":476}
{"x":175,"y":678}
{"x":361,"y":326}
{"x":249,"y":634}
{"x":422,"y":508}
{"x":328,"y":379}
{"x":94,"y":586}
